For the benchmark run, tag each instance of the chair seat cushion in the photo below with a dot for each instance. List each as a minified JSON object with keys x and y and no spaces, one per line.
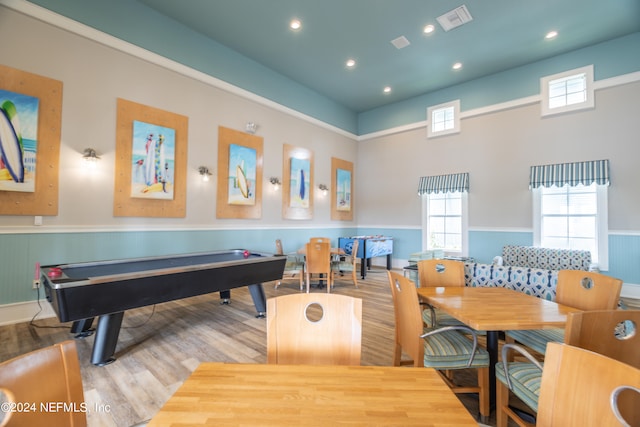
{"x":442,"y":318}
{"x":537,"y":339}
{"x":525,"y":381}
{"x":451,"y":350}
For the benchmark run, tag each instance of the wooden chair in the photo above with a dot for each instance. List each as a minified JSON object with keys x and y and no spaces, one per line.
{"x":583,"y":388}
{"x":444,"y":349}
{"x":607,"y":332}
{"x":294,"y":265}
{"x":318,"y":261}
{"x":320,"y":240}
{"x":314,"y":329}
{"x":49,"y":375}
{"x":440,"y":273}
{"x":6,"y":397}
{"x":348,"y":263}
{"x":579,"y":289}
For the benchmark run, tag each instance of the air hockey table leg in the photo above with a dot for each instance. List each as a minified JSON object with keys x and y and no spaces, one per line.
{"x":259,"y":299}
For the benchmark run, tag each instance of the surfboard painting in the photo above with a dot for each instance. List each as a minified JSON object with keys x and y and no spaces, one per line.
{"x":152,"y":161}
{"x":242,"y":175}
{"x":343,"y":190}
{"x":300,"y":173}
{"x":18,"y":141}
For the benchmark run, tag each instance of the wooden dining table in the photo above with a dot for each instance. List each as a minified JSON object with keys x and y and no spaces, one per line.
{"x":494,"y":310}
{"x":219,"y":394}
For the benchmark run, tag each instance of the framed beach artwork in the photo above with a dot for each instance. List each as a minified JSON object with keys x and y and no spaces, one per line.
{"x":297,"y":192}
{"x":341,"y":189}
{"x":30,"y":120}
{"x":18,"y":141}
{"x":151,"y":159}
{"x":239,"y":175}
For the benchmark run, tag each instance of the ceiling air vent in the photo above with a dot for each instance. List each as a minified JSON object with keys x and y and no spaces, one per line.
{"x":455,"y":18}
{"x":400,"y":42}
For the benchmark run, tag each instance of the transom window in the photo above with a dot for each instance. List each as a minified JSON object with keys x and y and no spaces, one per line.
{"x":443,"y":119}
{"x":568,"y":91}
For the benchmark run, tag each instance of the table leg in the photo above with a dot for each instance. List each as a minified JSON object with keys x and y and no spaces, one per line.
{"x":104,"y":346}
{"x":259,"y":299}
{"x":82,"y":328}
{"x":363,"y":268}
{"x":492,"y":349}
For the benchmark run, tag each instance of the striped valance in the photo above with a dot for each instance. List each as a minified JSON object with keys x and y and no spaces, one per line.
{"x":443,"y":183}
{"x":585,"y":173}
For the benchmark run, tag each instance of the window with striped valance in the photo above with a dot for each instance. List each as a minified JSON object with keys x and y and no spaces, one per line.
{"x":443,"y":183}
{"x":585,"y":173}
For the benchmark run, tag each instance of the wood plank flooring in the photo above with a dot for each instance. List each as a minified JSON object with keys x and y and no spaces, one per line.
{"x":160,"y":346}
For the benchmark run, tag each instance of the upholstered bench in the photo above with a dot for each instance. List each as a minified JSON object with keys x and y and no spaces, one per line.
{"x":527,"y":269}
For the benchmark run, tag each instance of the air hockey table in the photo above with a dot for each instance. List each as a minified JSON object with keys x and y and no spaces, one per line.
{"x":81,"y":292}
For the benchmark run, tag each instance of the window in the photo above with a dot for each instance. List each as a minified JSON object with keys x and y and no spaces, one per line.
{"x":444,"y":119}
{"x":568,"y":91}
{"x":570,"y":208}
{"x":444,"y":213}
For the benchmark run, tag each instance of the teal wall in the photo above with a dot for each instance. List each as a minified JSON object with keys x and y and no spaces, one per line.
{"x":20,"y":252}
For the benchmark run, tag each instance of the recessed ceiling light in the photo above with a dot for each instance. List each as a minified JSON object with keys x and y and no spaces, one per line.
{"x":457,"y":66}
{"x":428,"y":29}
{"x":295,"y":24}
{"x":551,"y":35}
{"x":351,"y":63}
{"x":387,"y":89}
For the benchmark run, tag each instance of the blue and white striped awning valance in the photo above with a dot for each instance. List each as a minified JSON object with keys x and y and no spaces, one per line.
{"x":585,"y":173}
{"x":443,"y":183}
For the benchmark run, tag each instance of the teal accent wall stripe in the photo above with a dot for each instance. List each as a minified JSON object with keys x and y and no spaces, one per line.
{"x":20,"y":252}
{"x":624,"y":258}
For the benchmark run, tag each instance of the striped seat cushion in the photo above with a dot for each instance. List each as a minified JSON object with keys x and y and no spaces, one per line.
{"x":451,"y":350}
{"x":525,"y":381}
{"x":537,"y":339}
{"x":442,"y":318}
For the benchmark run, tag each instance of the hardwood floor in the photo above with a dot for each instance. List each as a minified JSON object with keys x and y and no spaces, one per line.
{"x":160,"y":346}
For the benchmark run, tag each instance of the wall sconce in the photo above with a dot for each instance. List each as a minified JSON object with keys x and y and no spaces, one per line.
{"x":324,"y":189}
{"x":204,"y":173}
{"x":90,"y":157}
{"x":275,"y":181}
{"x":251,"y":127}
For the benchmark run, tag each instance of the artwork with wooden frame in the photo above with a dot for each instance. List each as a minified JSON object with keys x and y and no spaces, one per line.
{"x":40,"y":195}
{"x":239,"y":175}
{"x":297,"y":186}
{"x":131,"y":117}
{"x":341,"y":190}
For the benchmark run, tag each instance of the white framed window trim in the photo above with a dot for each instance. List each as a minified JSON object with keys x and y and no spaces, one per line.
{"x":443,"y":119}
{"x":601,"y":255}
{"x":427,"y":232}
{"x":568,"y":91}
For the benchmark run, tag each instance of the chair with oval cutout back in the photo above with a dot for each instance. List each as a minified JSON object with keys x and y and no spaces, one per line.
{"x":318,"y":261}
{"x":294,"y":265}
{"x":569,"y":396}
{"x":314,"y":328}
{"x":440,"y":273}
{"x":348,"y":263}
{"x":445,"y":348}
{"x":612,"y":333}
{"x":579,"y":289}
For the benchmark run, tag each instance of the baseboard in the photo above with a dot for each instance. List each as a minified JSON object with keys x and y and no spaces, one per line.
{"x":24,"y":311}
